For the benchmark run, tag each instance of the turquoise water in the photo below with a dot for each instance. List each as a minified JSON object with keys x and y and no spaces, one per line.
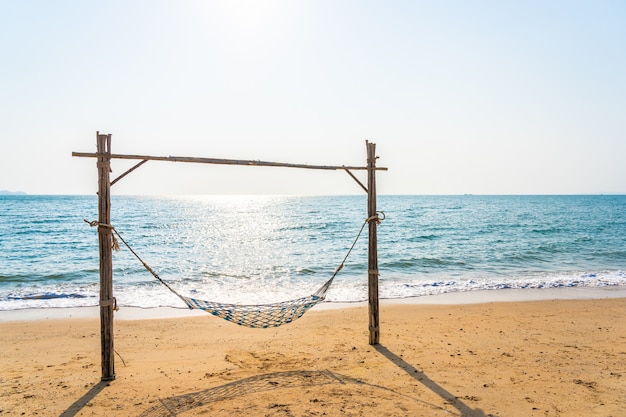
{"x":254,"y":249}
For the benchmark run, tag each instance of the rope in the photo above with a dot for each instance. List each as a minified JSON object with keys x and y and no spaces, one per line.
{"x":148,"y":268}
{"x":327,"y":285}
{"x":376,"y":217}
{"x":114,"y":243}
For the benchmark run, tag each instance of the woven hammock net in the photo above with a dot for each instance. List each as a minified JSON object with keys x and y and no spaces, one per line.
{"x":257,"y":316}
{"x":261,"y":316}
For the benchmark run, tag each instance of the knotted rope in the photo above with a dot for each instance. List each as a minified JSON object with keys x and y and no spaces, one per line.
{"x":114,"y":243}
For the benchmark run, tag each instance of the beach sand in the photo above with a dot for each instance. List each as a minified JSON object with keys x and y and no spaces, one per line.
{"x":532,"y":358}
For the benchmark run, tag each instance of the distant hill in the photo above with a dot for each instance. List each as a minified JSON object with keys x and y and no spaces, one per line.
{"x":5,"y":192}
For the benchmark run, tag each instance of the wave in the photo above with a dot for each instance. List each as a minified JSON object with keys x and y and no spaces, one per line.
{"x":344,"y":289}
{"x":46,"y":296}
{"x":417,"y":264}
{"x":42,"y":278}
{"x":422,"y":238}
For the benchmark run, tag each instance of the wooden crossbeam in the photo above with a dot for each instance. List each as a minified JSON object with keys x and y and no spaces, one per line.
{"x":221,"y":161}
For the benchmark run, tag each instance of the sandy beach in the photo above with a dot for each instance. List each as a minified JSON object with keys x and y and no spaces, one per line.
{"x":530,"y":358}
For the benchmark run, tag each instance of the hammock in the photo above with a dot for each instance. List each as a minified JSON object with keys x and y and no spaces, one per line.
{"x":253,"y":316}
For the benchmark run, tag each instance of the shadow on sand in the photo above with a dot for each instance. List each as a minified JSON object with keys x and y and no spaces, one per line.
{"x":420,"y":376}
{"x":85,"y":399}
{"x":173,"y":406}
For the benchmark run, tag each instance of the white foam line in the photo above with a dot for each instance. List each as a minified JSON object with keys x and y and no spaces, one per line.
{"x":455,"y":298}
{"x":501,"y":295}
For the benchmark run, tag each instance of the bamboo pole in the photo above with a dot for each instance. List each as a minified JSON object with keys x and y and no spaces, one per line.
{"x":372,"y":260}
{"x":106,"y":256}
{"x":128,"y":172}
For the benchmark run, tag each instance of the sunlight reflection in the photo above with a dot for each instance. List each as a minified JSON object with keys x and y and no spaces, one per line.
{"x":239,"y":237}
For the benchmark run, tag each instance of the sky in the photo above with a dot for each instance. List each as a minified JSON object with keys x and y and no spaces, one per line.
{"x":480,"y":97}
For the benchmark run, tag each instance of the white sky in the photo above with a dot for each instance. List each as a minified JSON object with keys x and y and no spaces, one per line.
{"x":483,"y":97}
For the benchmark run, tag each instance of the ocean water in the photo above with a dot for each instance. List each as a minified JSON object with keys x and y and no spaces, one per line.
{"x":258,"y":249}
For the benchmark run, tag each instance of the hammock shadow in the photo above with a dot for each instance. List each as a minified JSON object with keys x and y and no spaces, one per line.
{"x":421,"y":377}
{"x":173,"y":406}
{"x":79,"y":404}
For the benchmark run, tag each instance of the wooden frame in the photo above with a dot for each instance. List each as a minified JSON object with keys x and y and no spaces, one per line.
{"x":107,"y":301}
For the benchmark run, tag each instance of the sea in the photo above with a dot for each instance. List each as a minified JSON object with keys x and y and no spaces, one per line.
{"x":264,"y":249}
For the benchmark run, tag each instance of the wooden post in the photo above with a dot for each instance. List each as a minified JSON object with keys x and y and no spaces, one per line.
{"x":372,"y":260}
{"x":107,"y":302}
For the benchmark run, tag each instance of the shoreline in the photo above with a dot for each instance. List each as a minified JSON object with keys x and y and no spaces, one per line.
{"x":453,"y":298}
